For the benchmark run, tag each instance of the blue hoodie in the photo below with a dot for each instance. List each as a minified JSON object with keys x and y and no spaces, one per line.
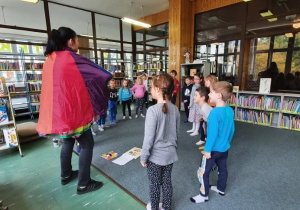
{"x":124,"y":94}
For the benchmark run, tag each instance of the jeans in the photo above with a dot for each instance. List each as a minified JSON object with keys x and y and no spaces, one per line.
{"x":139,"y":105}
{"x":220,"y":158}
{"x":173,"y":99}
{"x":128,"y":103}
{"x":146,"y":99}
{"x":113,"y":110}
{"x":186,"y":109}
{"x":101,"y":121}
{"x":86,"y":142}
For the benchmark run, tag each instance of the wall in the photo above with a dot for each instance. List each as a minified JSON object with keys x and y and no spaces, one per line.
{"x":206,"y":5}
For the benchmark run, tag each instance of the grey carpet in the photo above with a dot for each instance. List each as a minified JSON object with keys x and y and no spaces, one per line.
{"x":263,"y":167}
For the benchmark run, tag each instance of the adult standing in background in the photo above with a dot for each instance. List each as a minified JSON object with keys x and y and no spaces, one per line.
{"x":146,"y":95}
{"x":173,"y":73}
{"x":74,"y":91}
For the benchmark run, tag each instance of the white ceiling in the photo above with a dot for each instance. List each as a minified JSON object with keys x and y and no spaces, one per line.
{"x":120,"y":8}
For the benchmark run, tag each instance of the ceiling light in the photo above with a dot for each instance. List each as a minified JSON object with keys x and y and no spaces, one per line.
{"x":231,"y":27}
{"x":272,"y":19}
{"x":296,"y":25}
{"x":265,"y":13}
{"x":213,"y":19}
{"x":31,"y":1}
{"x":289,"y":35}
{"x":290,"y":17}
{"x":135,"y":22}
{"x":246,"y":0}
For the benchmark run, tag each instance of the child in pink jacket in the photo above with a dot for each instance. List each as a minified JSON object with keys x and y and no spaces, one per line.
{"x":138,"y":91}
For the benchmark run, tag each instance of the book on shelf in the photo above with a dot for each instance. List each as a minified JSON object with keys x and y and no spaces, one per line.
{"x":34,"y":66}
{"x":193,"y":72}
{"x":35,"y":97}
{"x":9,"y":65}
{"x":290,"y":105}
{"x":34,"y":76}
{"x":10,"y":136}
{"x":3,"y":115}
{"x":35,"y":86}
{"x":254,"y":116}
{"x":290,"y":122}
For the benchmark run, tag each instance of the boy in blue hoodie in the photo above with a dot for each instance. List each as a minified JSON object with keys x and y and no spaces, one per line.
{"x":125,"y":97}
{"x":219,"y":135}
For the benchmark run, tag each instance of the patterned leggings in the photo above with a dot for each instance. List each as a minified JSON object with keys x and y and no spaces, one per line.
{"x":160,"y":176}
{"x":139,"y":105}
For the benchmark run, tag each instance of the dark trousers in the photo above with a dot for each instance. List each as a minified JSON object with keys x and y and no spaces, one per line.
{"x":86,"y":142}
{"x":113,"y":110}
{"x":160,"y":176}
{"x":101,"y":121}
{"x":186,"y":109}
{"x":128,"y":103}
{"x":139,"y":105}
{"x":146,"y":99}
{"x":220,"y":158}
{"x":202,"y":134}
{"x":173,"y":99}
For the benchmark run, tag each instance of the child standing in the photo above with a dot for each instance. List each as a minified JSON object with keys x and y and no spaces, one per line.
{"x":113,"y":102}
{"x":138,"y":91}
{"x":101,"y":121}
{"x":125,"y":98}
{"x":193,"y":116}
{"x":146,"y":95}
{"x":176,"y":86}
{"x":209,"y":81}
{"x":186,"y":93}
{"x":201,"y":97}
{"x":159,"y":150}
{"x":219,"y":136}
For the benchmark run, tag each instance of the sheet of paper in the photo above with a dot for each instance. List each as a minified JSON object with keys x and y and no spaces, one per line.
{"x":123,"y":159}
{"x":135,"y":152}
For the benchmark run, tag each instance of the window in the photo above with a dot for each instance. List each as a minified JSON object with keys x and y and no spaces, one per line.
{"x":261,"y":61}
{"x":280,"y":58}
{"x":295,"y":62}
{"x":263,"y":43}
{"x":280,"y":42}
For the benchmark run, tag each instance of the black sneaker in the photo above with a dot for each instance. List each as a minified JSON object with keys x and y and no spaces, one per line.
{"x":214,"y":169}
{"x":92,"y":186}
{"x":74,"y":175}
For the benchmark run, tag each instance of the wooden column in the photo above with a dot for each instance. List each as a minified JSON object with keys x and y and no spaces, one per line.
{"x":244,"y":70}
{"x":181,"y":28}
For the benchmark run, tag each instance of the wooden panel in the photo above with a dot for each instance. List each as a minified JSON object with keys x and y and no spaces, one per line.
{"x":246,"y":65}
{"x":155,"y":19}
{"x":84,"y":43}
{"x":206,"y":5}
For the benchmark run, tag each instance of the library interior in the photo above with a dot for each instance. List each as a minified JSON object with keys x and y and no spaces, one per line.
{"x":102,"y":107}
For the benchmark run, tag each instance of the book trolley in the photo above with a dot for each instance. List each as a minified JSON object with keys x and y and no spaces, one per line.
{"x":279,"y":110}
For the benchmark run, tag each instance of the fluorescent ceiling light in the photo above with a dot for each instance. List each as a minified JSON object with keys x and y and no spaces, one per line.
{"x":135,"y":22}
{"x":231,"y":27}
{"x":289,"y":35}
{"x":265,"y":13}
{"x":272,"y":19}
{"x":296,"y":25}
{"x":247,"y":0}
{"x":31,"y":1}
{"x":86,"y":35}
{"x":213,"y":19}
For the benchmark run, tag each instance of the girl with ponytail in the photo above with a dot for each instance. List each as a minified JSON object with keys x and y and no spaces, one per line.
{"x":160,"y":141}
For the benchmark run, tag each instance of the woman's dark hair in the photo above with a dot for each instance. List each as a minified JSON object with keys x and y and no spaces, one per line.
{"x":58,"y":39}
{"x":164,"y":82}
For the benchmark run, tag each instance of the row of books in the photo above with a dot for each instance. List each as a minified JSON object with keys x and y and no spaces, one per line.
{"x":14,"y":88}
{"x":254,"y":116}
{"x":34,"y":86}
{"x":261,"y":102}
{"x":231,"y":100}
{"x":35,"y":108}
{"x":119,"y":74}
{"x":34,"y":76}
{"x":147,"y":66}
{"x":291,"y":106}
{"x":113,"y":67}
{"x":34,"y":66}
{"x":35,"y":97}
{"x":290,"y":122}
{"x":9,"y":65}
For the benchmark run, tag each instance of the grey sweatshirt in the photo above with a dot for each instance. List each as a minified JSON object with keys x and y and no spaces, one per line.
{"x":195,"y":86}
{"x":161,"y":134}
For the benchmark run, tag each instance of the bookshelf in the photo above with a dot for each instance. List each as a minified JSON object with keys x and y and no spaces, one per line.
{"x":9,"y":138}
{"x":278,"y":110}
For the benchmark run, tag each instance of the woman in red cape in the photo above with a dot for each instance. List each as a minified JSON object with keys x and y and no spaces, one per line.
{"x":74,"y":91}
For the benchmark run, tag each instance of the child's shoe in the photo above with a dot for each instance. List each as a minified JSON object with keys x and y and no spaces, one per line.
{"x":214,"y":188}
{"x":190,"y":131}
{"x":124,"y":117}
{"x":186,"y":121}
{"x":104,"y":126}
{"x":199,"y":199}
{"x":142,"y":115}
{"x":194,"y":134}
{"x":100,"y":128}
{"x":136,"y":116}
{"x":200,"y":142}
{"x":148,"y":207}
{"x":130,"y":118}
{"x":94,"y":134}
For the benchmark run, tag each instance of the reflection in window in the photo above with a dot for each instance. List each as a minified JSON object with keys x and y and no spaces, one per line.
{"x":279,"y":58}
{"x":231,"y":46}
{"x":261,"y":60}
{"x":221,"y":48}
{"x":230,"y":65}
{"x":280,"y":42}
{"x":296,"y":61}
{"x":263,"y":43}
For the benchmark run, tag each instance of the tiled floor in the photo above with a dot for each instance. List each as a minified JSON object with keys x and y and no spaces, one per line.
{"x":33,"y":182}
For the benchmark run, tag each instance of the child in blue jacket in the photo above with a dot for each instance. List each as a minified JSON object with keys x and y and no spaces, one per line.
{"x":125,"y":97}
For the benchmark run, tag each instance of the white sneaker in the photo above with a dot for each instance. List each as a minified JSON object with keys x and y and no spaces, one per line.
{"x":142,"y":115}
{"x":124,"y":117}
{"x":194,"y":134}
{"x":136,"y":116}
{"x":200,"y":142}
{"x":214,"y":188}
{"x":190,"y":131}
{"x":130,"y":118}
{"x":148,"y":207}
{"x":94,"y":134}
{"x":100,"y":128}
{"x":199,"y":199}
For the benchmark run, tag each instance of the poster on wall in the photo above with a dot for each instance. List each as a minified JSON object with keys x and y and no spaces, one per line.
{"x":265,"y":85}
